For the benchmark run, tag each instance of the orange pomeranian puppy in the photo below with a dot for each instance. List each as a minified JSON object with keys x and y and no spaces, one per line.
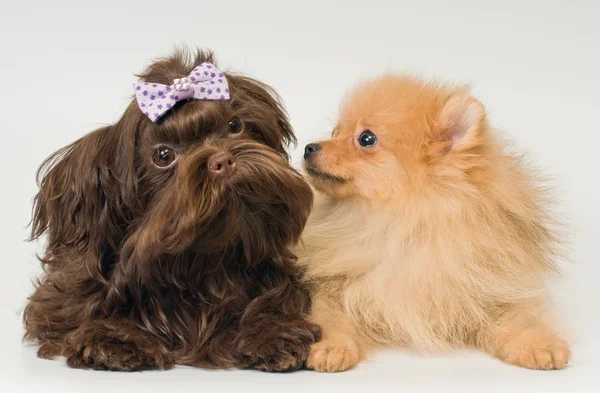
{"x":426,"y":232}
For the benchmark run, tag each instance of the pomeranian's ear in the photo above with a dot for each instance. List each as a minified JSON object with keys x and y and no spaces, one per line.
{"x":461,"y":122}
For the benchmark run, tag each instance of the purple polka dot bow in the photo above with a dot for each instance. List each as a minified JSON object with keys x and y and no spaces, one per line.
{"x":205,"y":82}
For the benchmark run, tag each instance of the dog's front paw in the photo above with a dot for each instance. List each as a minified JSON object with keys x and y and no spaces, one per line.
{"x":536,"y":349}
{"x":333,"y":355}
{"x":115,"y":345}
{"x":114,"y":356}
{"x":279,"y":346}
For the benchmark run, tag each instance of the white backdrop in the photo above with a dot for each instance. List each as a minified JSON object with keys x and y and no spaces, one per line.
{"x":68,"y":67}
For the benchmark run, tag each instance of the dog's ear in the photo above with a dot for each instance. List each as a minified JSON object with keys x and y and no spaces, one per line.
{"x":84,"y":189}
{"x":267,"y":117}
{"x":461,"y":122}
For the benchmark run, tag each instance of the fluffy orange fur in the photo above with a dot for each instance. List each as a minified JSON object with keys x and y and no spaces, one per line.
{"x":436,"y":237}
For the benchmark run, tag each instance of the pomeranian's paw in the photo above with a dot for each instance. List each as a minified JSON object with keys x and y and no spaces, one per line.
{"x":536,"y":349}
{"x":333,"y":355}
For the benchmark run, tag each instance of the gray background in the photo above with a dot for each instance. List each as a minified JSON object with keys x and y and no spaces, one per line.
{"x":68,"y":67}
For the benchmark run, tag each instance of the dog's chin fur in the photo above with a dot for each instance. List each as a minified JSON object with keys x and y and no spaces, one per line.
{"x":440,"y":239}
{"x":148,"y":266}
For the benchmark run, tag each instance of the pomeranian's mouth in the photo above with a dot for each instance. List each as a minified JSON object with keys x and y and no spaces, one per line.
{"x":319,"y":174}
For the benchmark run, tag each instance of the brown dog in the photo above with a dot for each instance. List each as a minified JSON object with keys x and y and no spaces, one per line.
{"x":169,"y":242}
{"x":428,"y":233}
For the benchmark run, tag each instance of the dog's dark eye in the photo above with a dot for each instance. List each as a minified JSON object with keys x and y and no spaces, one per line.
{"x":367,"y":138}
{"x":164,"y":156}
{"x":235,"y":126}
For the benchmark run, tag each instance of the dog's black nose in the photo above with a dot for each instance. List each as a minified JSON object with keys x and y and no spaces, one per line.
{"x":311,"y":148}
{"x":222,"y":164}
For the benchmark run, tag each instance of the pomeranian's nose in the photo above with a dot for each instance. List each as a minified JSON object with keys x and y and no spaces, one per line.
{"x":222,"y":164}
{"x":310,"y":149}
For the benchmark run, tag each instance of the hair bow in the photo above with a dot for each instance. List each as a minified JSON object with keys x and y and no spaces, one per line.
{"x":205,"y":82}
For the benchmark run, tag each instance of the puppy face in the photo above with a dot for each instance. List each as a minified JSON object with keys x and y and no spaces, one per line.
{"x":395,"y":137}
{"x":208,"y":177}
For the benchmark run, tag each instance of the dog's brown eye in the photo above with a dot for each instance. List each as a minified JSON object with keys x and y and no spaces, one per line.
{"x":163,"y":156}
{"x":235,"y":126}
{"x":367,"y":138}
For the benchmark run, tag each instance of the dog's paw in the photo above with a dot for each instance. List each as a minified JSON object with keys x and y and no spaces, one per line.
{"x":114,"y":356}
{"x":333,"y":355}
{"x":282,"y":346}
{"x":536,"y":349}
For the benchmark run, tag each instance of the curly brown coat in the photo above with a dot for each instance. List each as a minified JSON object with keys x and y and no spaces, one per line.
{"x":147,"y":266}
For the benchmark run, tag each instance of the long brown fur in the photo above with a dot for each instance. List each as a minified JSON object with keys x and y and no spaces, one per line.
{"x":436,"y":237}
{"x":148,"y":267}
